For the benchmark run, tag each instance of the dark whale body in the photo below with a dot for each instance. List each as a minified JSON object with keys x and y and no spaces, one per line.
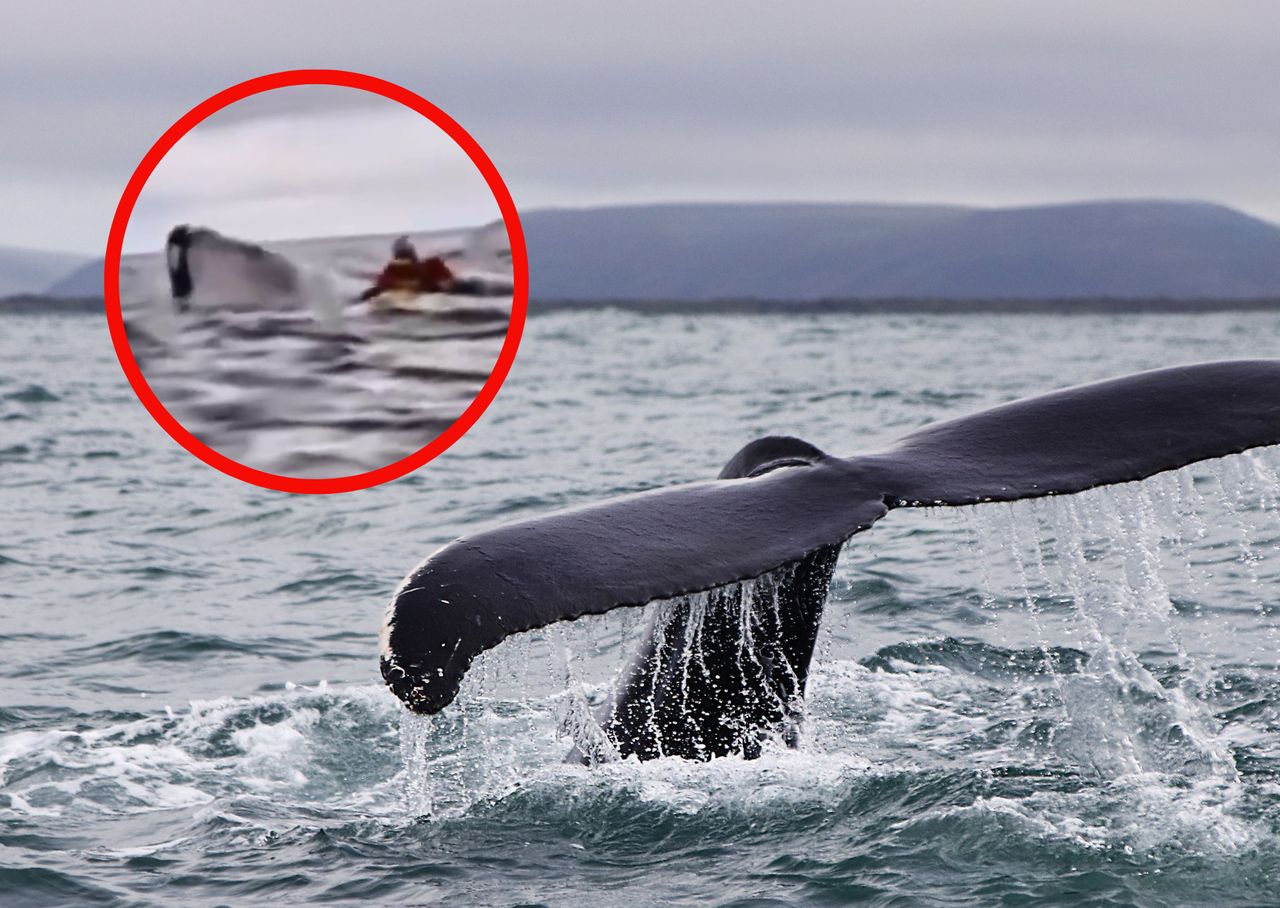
{"x":720,"y":671}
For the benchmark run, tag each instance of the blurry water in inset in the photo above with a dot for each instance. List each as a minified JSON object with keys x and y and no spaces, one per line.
{"x":303,"y":379}
{"x":1071,"y":701}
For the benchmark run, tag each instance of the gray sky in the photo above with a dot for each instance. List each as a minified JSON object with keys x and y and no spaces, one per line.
{"x":978,"y":102}
{"x":341,"y":161}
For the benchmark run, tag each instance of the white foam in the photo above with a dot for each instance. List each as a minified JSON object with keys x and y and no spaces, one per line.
{"x":185,"y":760}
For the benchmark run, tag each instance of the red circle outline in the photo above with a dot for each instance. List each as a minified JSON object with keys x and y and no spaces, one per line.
{"x":115,"y":316}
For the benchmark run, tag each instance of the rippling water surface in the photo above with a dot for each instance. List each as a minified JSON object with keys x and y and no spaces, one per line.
{"x":298,"y":377}
{"x":1074,"y":701}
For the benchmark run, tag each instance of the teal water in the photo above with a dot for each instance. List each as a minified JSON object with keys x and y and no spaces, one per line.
{"x":1072,"y":702}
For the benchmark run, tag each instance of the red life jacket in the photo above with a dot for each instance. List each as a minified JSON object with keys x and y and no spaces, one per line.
{"x":430,"y":275}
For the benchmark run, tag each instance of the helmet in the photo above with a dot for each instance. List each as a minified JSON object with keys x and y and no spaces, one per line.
{"x":402,"y":248}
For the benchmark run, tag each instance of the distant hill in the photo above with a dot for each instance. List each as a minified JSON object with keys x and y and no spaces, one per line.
{"x":785,"y":251}
{"x":1137,"y":249}
{"x":32,"y":270}
{"x":85,"y":280}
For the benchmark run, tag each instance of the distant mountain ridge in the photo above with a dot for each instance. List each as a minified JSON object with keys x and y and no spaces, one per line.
{"x":33,"y":270}
{"x":802,"y":251}
{"x":783,"y":251}
{"x":83,"y":281}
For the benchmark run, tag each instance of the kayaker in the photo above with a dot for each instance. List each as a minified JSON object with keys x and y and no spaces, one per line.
{"x":407,"y":273}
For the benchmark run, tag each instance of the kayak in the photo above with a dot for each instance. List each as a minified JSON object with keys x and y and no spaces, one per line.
{"x":405,"y":301}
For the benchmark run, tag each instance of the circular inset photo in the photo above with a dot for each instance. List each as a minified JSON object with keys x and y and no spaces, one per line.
{"x":316,"y":281}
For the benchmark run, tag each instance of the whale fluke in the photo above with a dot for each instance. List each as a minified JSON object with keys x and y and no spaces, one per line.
{"x":1121,"y":430}
{"x":780,"y":512}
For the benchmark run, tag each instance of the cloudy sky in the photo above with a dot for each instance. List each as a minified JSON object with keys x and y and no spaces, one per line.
{"x":988,"y":103}
{"x":338,"y":160}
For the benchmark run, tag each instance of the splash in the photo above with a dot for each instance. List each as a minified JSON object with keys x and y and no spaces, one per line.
{"x":1132,"y":563}
{"x":1106,"y":616}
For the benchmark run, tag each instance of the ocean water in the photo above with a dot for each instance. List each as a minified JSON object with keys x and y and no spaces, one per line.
{"x":1073,"y":702}
{"x":299,"y":378}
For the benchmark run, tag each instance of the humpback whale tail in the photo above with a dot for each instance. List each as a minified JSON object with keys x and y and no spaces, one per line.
{"x":780,"y":511}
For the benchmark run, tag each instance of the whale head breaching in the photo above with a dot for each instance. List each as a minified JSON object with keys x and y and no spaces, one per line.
{"x":240,"y":272}
{"x":777,"y":516}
